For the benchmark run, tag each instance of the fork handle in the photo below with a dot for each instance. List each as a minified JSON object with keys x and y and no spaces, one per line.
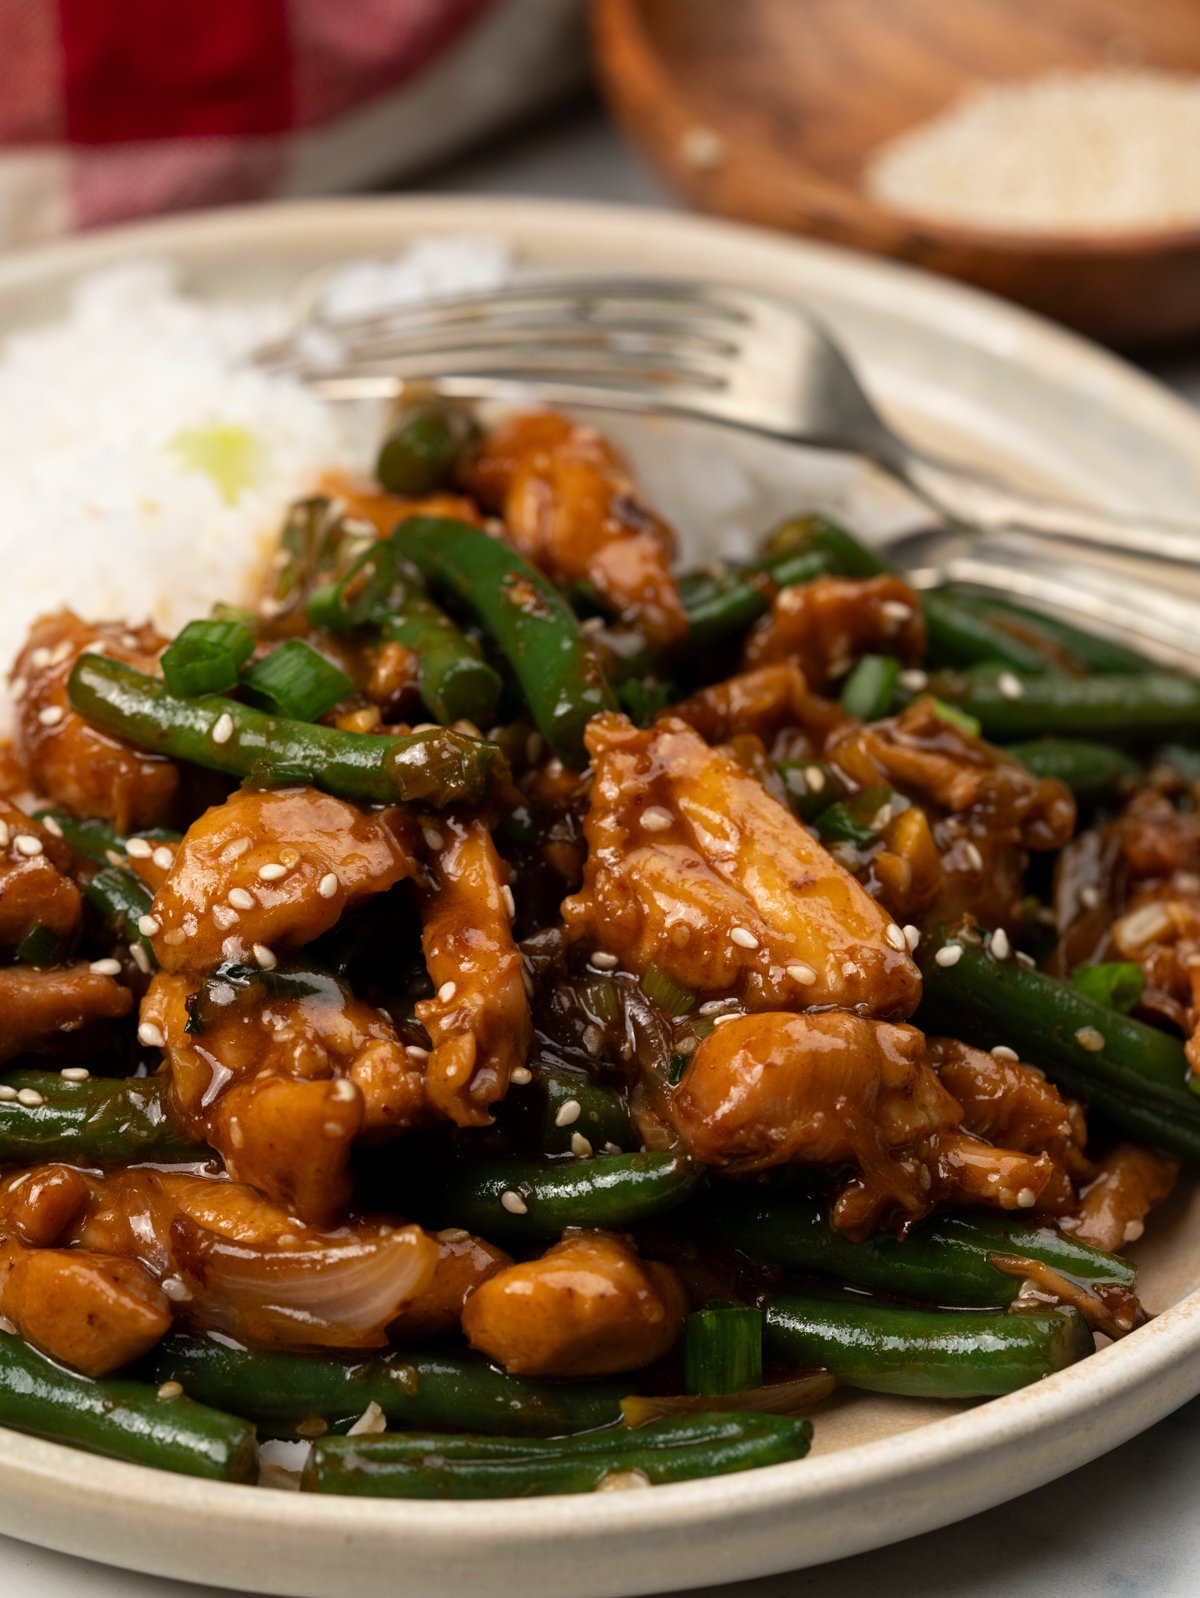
{"x":976,"y":501}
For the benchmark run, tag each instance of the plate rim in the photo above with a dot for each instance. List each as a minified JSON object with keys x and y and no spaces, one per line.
{"x":1163,"y":1355}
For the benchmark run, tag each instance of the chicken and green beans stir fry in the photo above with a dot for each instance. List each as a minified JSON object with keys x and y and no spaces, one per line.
{"x":526,"y":1019}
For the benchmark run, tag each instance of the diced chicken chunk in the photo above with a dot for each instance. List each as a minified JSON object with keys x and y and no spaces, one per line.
{"x":1113,"y":1210}
{"x":275,"y":868}
{"x":693,"y":867}
{"x":588,"y":1307}
{"x":34,"y":887}
{"x":824,"y":626}
{"x":39,"y":1007}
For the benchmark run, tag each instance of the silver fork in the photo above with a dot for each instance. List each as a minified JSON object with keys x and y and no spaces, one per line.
{"x":750,"y":360}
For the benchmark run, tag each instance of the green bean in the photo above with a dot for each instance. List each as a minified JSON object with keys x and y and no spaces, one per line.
{"x":1090,"y":650}
{"x":286,"y":1393}
{"x":1135,"y":706}
{"x":943,"y":1260}
{"x":419,"y":452}
{"x":123,"y":1419}
{"x":846,"y":556}
{"x":871,"y":686}
{"x":122,"y":900}
{"x":674,"y":1449}
{"x":1092,"y":771}
{"x":960,"y":635}
{"x":1135,"y":1075}
{"x":722,"y":605}
{"x":437,"y":767}
{"x":100,"y":1121}
{"x":537,"y":1199}
{"x":456,"y":683}
{"x":923,"y":1353}
{"x":723,"y":1349}
{"x":572,"y":1105}
{"x":558,"y":669}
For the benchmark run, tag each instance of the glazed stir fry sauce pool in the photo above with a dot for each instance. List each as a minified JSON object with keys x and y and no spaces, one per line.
{"x":527,"y":1019}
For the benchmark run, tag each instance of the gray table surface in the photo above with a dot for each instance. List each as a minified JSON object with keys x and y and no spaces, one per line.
{"x":1123,"y":1527}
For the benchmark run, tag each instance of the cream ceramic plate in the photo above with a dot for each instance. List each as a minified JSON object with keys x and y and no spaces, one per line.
{"x":957,"y":369}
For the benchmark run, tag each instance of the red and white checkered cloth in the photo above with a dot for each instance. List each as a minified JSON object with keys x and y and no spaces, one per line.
{"x":121,"y":108}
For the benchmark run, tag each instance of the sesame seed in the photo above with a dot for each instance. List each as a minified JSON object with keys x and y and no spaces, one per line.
{"x":656,"y":819}
{"x":896,"y":610}
{"x":170,"y":1390}
{"x":1090,"y":1038}
{"x":163,"y":857}
{"x":1009,"y":686}
{"x":801,"y":973}
{"x":105,"y":968}
{"x":520,"y":1074}
{"x":241,"y":899}
{"x":730,"y":1015}
{"x":949,"y":954}
{"x":7,"y":1093}
{"x":416,"y":1052}
{"x":1001,"y":1051}
{"x":1026,"y":960}
{"x":264,"y":957}
{"x":1026,"y":1198}
{"x":712,"y":1006}
{"x":52,"y":826}
{"x":1000,"y":946}
{"x":447,"y":991}
{"x":510,"y":905}
{"x":1133,"y":1230}
{"x":344,"y":1090}
{"x":175,"y":1289}
{"x":75,"y":1073}
{"x":914,"y":680}
{"x":815,"y":778}
{"x":973,"y":857}
{"x":30,"y":1098}
{"x":1089,"y":897}
{"x":115,"y":857}
{"x":51,"y":715}
{"x":40,"y":658}
{"x":912,"y":936}
{"x":224,"y":916}
{"x":893,"y":934}
{"x":743,"y":937}
{"x":139,"y":849}
{"x":433,"y":838}
{"x":150,"y":1035}
{"x":453,"y":1234}
{"x":4,"y":835}
{"x":514,"y":1203}
{"x":222,"y":728}
{"x":272,"y":871}
{"x":604,"y":962}
{"x":140,"y":958}
{"x":568,"y":1113}
{"x":148,"y":926}
{"x":27,"y":844}
{"x":236,"y":1136}
{"x":580,"y":1146}
{"x":328,"y":885}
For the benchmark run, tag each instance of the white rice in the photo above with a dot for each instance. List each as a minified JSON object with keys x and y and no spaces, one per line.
{"x":99,"y":510}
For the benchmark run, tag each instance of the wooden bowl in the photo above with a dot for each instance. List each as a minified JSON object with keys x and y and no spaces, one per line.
{"x":769,"y":111}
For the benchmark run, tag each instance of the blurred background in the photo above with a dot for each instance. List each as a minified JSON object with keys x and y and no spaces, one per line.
{"x":1045,"y":152}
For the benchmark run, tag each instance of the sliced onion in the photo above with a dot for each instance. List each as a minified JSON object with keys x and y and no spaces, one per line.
{"x":790,"y":1397}
{"x":337,"y":1293}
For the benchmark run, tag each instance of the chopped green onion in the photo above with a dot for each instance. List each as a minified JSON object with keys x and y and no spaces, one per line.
{"x":1117,"y":984}
{"x":869,"y":689}
{"x":645,"y":698}
{"x":206,"y":656}
{"x":723,"y":1350}
{"x":811,"y":787}
{"x":360,"y":594}
{"x":40,"y":946}
{"x":670,"y":996}
{"x":601,"y":999}
{"x":122,"y":900}
{"x":954,"y":717}
{"x":419,"y":453}
{"x":294,"y":680}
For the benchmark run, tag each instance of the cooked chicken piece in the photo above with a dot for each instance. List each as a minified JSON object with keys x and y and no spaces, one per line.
{"x":385,"y":511}
{"x":282,"y":1085}
{"x":37,"y":1206}
{"x":1113,"y":1210}
{"x":570,"y":507}
{"x":1010,"y":1104}
{"x":905,"y":873}
{"x":38,"y":1007}
{"x":478,"y":1019}
{"x":34,"y":887}
{"x":588,"y":1307}
{"x":232,"y":1262}
{"x":768,"y":702}
{"x":694,"y":868}
{"x":824,"y":626}
{"x":70,"y":761}
{"x":275,"y":869}
{"x":464,"y":1263}
{"x":93,"y":1312}
{"x":835,"y":1089}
